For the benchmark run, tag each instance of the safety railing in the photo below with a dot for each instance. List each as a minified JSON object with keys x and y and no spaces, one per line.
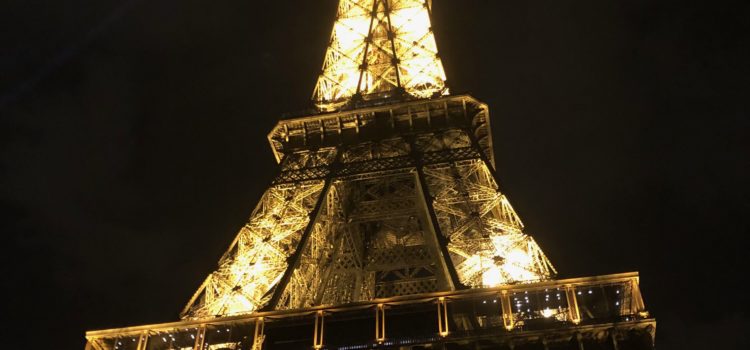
{"x":400,"y":321}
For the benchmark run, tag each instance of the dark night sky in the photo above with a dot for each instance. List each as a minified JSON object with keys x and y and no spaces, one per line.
{"x":132,"y":145}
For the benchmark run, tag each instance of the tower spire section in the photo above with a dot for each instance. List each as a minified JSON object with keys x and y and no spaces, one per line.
{"x":380,"y":49}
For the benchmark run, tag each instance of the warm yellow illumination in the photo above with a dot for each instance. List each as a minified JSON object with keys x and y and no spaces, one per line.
{"x":443,"y":317}
{"x":258,"y":257}
{"x":547,"y":312}
{"x":319,"y":330}
{"x":492,"y":276}
{"x":487,"y":243}
{"x":514,"y":257}
{"x":380,"y":323}
{"x":378,"y":46}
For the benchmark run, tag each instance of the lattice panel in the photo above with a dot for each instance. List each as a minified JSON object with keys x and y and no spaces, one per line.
{"x":292,"y":176}
{"x":487,"y":244}
{"x":319,"y":256}
{"x":371,"y":210}
{"x":450,"y":155}
{"x":390,"y":257}
{"x":309,"y":159}
{"x":378,"y":46}
{"x":390,"y":289}
{"x":306,"y":166}
{"x":358,"y":241}
{"x":390,"y":148}
{"x":376,"y":165}
{"x":449,"y":139}
{"x":258,"y":257}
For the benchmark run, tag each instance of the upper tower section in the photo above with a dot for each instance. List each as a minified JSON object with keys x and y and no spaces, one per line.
{"x":380,"y":49}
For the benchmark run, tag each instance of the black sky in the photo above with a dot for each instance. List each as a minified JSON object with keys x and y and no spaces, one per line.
{"x":132,"y":146}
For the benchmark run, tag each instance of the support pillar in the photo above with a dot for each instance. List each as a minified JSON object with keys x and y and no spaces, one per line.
{"x":142,"y":341}
{"x":451,"y":275}
{"x":259,"y":336}
{"x":507,"y":308}
{"x":442,"y":308}
{"x":574,"y":315}
{"x":380,"y":323}
{"x":200,"y":338}
{"x":319,"y":330}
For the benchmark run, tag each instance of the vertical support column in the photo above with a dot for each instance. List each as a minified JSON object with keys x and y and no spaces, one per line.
{"x":259,"y":336}
{"x":142,"y":341}
{"x":446,"y":264}
{"x":574,"y":314}
{"x":380,"y":323}
{"x":442,"y":308}
{"x":319,"y":331}
{"x":200,"y":338}
{"x":391,"y":38}
{"x":637,"y":304}
{"x":507,"y":308}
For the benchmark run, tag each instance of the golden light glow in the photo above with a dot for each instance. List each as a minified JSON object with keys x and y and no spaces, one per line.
{"x":443,"y":325}
{"x":547,"y":312}
{"x":258,"y":257}
{"x":378,"y":46}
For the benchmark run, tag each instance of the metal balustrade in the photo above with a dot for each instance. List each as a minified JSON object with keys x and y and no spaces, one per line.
{"x":577,"y":308}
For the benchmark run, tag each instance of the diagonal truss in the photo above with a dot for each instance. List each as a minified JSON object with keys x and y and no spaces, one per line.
{"x":399,"y":216}
{"x":385,"y":200}
{"x":484,"y":234}
{"x":378,"y":47}
{"x":257,"y":258}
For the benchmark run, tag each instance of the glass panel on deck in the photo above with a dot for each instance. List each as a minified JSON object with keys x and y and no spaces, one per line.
{"x":541,"y":308}
{"x":476,"y":313}
{"x":176,"y":339}
{"x":603,"y":302}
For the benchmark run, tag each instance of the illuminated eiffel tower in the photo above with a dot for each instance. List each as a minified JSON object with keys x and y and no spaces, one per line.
{"x":386,"y":214}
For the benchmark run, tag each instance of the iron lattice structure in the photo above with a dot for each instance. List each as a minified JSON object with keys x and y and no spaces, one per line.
{"x":387,"y":212}
{"x":393,"y":199}
{"x":371,"y":203}
{"x":380,"y":48}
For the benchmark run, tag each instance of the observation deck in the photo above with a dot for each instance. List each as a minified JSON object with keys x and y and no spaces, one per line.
{"x":603,"y":312}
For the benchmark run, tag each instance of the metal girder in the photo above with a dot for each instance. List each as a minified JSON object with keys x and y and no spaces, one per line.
{"x":378,"y":48}
{"x":414,"y":213}
{"x":382,"y":122}
{"x":258,"y":257}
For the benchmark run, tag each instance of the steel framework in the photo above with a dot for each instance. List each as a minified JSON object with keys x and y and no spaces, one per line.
{"x":602,"y":312}
{"x":378,"y":202}
{"x":393,"y":195}
{"x":380,"y":48}
{"x":387,"y":210}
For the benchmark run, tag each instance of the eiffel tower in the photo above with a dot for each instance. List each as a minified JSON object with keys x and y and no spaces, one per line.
{"x":387,"y":211}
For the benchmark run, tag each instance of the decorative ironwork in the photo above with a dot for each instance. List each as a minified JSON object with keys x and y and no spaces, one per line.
{"x":389,"y":202}
{"x":379,"y":47}
{"x":258,"y":256}
{"x":593,"y":312}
